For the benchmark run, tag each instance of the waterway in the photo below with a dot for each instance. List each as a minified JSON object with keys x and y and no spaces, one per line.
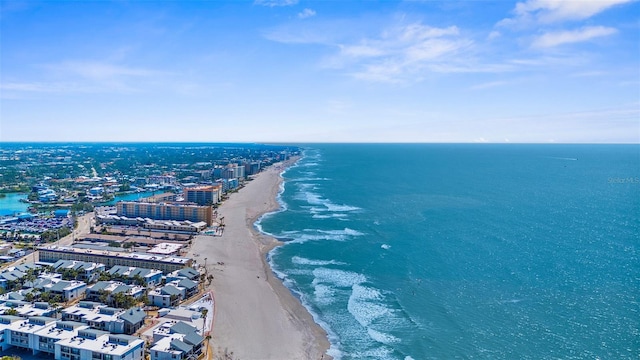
{"x":11,"y":204}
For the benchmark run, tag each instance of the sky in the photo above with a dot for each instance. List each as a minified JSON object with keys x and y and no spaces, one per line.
{"x":536,"y":71}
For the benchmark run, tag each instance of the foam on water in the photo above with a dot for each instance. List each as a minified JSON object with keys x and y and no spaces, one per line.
{"x":324,"y":294}
{"x":304,"y":261}
{"x":317,"y":235}
{"x":365,"y":305}
{"x":382,"y":337}
{"x":338,"y":278}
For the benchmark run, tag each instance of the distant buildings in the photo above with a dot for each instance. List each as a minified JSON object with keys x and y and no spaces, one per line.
{"x":230,"y":171}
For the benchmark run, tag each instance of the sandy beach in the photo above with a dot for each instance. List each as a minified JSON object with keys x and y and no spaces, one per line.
{"x":256,"y":316}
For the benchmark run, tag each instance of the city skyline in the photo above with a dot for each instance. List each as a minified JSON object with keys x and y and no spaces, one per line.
{"x":302,"y":71}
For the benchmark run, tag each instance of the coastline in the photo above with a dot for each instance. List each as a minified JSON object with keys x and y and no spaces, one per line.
{"x":255,"y":316}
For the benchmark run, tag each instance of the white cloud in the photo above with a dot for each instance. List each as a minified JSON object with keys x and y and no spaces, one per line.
{"x":494,"y":35}
{"x":551,"y":39}
{"x":306,"y":13}
{"x":488,"y":85}
{"x":401,"y":52}
{"x":101,"y":71}
{"x":44,"y":87}
{"x":273,"y":3}
{"x":550,"y":11}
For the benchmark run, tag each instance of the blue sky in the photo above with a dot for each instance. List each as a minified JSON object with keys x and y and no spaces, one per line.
{"x":329,"y":71}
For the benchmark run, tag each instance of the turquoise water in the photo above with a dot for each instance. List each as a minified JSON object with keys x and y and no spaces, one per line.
{"x":465,"y":251}
{"x":131,"y":197}
{"x":10,"y":204}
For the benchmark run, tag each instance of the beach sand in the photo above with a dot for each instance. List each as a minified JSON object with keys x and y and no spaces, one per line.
{"x":255,"y":316}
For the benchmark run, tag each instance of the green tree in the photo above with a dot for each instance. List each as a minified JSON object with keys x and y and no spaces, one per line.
{"x":13,"y":312}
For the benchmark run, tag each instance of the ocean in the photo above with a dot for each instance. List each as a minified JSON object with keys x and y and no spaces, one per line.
{"x":465,"y":251}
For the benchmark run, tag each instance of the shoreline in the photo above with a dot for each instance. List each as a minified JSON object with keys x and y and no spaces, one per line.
{"x":256,"y":316}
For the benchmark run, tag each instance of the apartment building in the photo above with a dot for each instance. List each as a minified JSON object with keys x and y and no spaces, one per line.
{"x":90,"y":344}
{"x":165,"y":211}
{"x":166,"y":264}
{"x":203,"y":195}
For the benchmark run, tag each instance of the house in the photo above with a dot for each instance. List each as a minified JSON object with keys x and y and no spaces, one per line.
{"x":83,"y":271}
{"x":101,"y":317}
{"x":184,"y":273}
{"x":167,"y":296}
{"x":129,"y":275}
{"x":105,"y":319}
{"x":67,"y":290}
{"x":176,"y":341}
{"x":133,"y":319}
{"x":13,"y":275}
{"x":105,"y":291}
{"x":191,"y":287}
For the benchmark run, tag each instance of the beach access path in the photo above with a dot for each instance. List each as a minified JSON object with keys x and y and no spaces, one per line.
{"x":255,"y":315}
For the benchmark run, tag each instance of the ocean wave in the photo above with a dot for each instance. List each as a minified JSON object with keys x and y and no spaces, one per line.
{"x":316,"y":199}
{"x":324,"y":295}
{"x":339,"y":216}
{"x":304,"y":261}
{"x":345,"y":231}
{"x":382,"y":337}
{"x":304,"y":179}
{"x":317,"y":234}
{"x":338,"y":278}
{"x":364,"y":304}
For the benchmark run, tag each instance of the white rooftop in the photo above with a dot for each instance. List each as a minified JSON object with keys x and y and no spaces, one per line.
{"x":141,"y":256}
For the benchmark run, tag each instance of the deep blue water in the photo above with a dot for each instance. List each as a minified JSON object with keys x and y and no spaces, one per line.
{"x":466,"y":251}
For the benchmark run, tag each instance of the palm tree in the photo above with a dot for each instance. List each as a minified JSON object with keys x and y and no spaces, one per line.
{"x":208,"y":338}
{"x":204,"y":312}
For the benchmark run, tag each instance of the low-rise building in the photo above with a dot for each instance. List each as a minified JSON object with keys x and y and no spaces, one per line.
{"x":101,"y":317}
{"x":166,"y":296}
{"x":176,"y":341}
{"x":44,"y":340}
{"x":21,"y":333}
{"x":130,"y":274}
{"x":92,"y":344}
{"x":5,"y":323}
{"x":105,"y":291}
{"x":166,"y":264}
{"x":184,"y":273}
{"x":26,"y":309}
{"x":67,"y":290}
{"x":86,"y":271}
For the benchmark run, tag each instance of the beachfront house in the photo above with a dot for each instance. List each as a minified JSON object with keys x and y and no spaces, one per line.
{"x":166,"y":296}
{"x":177,"y":341}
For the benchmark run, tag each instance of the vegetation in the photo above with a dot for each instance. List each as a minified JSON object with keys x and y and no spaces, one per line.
{"x":55,"y":235}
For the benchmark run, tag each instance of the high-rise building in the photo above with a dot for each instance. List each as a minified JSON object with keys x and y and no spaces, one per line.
{"x":203,"y":195}
{"x":165,"y":211}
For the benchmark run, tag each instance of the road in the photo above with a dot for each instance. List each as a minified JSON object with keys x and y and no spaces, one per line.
{"x":84,"y":225}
